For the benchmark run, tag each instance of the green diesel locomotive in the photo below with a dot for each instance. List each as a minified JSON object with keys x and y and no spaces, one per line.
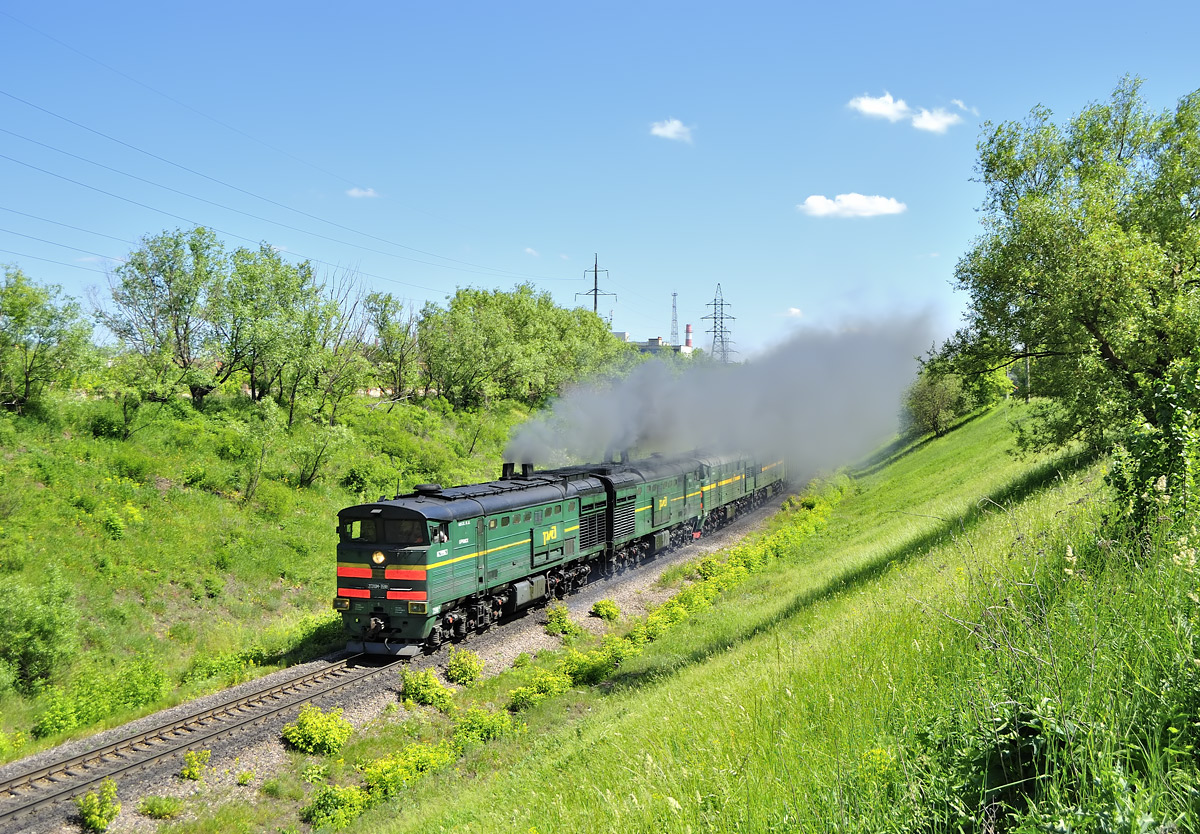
{"x":418,"y":569}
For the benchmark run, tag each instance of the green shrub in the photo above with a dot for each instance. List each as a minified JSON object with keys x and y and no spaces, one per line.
{"x":334,"y":806}
{"x":194,"y":764}
{"x":545,"y":683}
{"x":113,"y":526}
{"x":521,"y":660}
{"x":11,"y":743}
{"x":245,"y":777}
{"x":107,"y":423}
{"x":99,"y":808}
{"x":316,"y":732}
{"x":606,"y":610}
{"x":274,"y":500}
{"x":424,"y":688}
{"x":37,"y":628}
{"x":131,"y":465}
{"x":160,"y":807}
{"x":464,"y":666}
{"x":386,"y":777}
{"x":558,"y":621}
{"x":588,"y":668}
{"x":477,"y":726}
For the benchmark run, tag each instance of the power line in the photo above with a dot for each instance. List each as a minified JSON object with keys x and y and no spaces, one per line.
{"x":251,"y":194}
{"x":177,"y":101}
{"x":52,"y":261}
{"x":191,"y":222}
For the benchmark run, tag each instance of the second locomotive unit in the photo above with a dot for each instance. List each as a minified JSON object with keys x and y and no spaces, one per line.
{"x":421,"y":568}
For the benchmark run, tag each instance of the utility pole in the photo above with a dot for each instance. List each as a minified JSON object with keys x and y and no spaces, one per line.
{"x":594,"y":292}
{"x":722,"y":346}
{"x":674,"y":321}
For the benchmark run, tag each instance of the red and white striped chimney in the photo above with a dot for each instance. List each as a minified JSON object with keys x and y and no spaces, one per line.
{"x":688,"y":330}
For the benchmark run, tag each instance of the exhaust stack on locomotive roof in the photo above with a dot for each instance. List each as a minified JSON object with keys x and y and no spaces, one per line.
{"x":509,"y":471}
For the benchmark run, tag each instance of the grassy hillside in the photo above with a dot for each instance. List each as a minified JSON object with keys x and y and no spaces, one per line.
{"x":958,"y":641}
{"x":138,"y":571}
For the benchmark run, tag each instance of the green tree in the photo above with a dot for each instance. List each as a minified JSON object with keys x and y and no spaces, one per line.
{"x":1089,"y":265}
{"x":517,"y":345}
{"x":392,"y":344}
{"x":160,"y":297}
{"x":931,"y":403}
{"x":262,"y":324}
{"x":42,"y":339}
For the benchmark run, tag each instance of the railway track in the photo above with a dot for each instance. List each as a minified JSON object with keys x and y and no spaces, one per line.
{"x":50,"y":784}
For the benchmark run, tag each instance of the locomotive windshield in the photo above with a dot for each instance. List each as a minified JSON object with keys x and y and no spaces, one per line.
{"x":402,"y":532}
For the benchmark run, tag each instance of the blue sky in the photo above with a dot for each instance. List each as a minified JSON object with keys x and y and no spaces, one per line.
{"x":434,"y":145}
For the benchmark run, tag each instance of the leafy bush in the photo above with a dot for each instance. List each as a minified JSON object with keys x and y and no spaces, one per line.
{"x":194,"y":764}
{"x":558,"y":621}
{"x":464,"y":666}
{"x":606,"y":610}
{"x":545,"y":684}
{"x":11,"y":743}
{"x":113,"y":526}
{"x":245,"y":777}
{"x":95,"y":697}
{"x":424,"y":688}
{"x":316,"y":732}
{"x":37,"y":628}
{"x":334,"y":806}
{"x":386,"y":777}
{"x":476,"y":726}
{"x":99,"y":808}
{"x":587,"y":668}
{"x":160,"y":807}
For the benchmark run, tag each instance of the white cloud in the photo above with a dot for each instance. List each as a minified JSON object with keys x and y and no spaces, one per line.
{"x":957,"y":102}
{"x":529,"y":250}
{"x":936,"y":120}
{"x":794,"y":312}
{"x":357,"y":192}
{"x":672,"y":129}
{"x":850,"y":205}
{"x":884,"y":107}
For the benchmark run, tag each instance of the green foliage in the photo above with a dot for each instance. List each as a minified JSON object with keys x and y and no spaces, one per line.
{"x":606,"y":610}
{"x":478,"y":726}
{"x":160,"y":807}
{"x":386,"y":777}
{"x":931,"y":404}
{"x":98,"y":808}
{"x":463,"y":666}
{"x":559,"y":622}
{"x":42,"y":340}
{"x":424,"y":688}
{"x":316,"y":732}
{"x":1086,"y":276}
{"x":195,"y":762}
{"x":544,"y":684}
{"x":245,"y":777}
{"x":37,"y":628}
{"x":96,"y":696}
{"x":334,"y":806}
{"x":516,"y":345}
{"x":11,"y":744}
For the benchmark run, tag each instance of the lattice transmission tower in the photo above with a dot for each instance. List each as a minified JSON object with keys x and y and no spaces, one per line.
{"x":674,"y":321}
{"x":722,"y":345}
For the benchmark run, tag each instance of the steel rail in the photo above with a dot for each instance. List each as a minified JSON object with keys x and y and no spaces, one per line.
{"x":179,"y":734}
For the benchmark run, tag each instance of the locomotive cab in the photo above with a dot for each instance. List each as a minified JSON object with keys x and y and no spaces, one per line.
{"x":382,"y":556}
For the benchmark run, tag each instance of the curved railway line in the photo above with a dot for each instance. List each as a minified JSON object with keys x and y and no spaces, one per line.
{"x":49,"y":784}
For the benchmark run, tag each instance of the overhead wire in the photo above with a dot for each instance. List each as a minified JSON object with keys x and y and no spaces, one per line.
{"x":256,"y":196}
{"x":191,"y":222}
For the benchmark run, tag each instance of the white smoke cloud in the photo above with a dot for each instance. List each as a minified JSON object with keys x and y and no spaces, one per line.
{"x":821,"y":399}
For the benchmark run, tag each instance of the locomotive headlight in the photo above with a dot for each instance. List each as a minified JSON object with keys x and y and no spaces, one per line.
{"x":377,"y":557}
{"x":341,"y":604}
{"x":416,"y":608}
